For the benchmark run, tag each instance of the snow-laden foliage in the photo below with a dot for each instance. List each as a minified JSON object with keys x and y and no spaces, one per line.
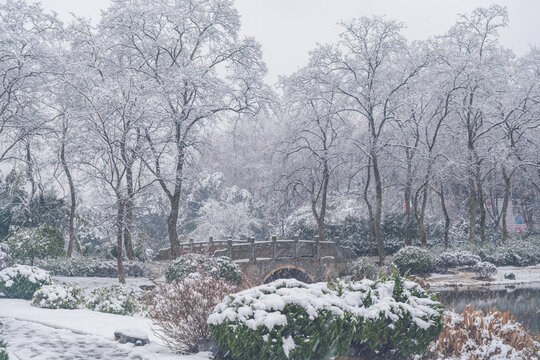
{"x":475,"y":335}
{"x":65,"y":296}
{"x":21,"y":281}
{"x":394,"y":316}
{"x":114,"y":300}
{"x":88,"y":266}
{"x":448,"y":260}
{"x":5,"y":258}
{"x":512,"y":253}
{"x":3,"y":352}
{"x":38,"y":242}
{"x":413,"y":260}
{"x":484,"y":270}
{"x":362,"y":268}
{"x":180,"y":309}
{"x":221,"y":267}
{"x":281,"y":320}
{"x":290,"y":319}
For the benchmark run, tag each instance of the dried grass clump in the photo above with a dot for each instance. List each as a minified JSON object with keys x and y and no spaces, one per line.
{"x":180,"y":309}
{"x":478,"y":336}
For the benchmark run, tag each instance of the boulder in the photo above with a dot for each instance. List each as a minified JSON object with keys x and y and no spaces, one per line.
{"x":139,"y":338}
{"x":148,"y":287}
{"x":209,"y":345}
{"x":510,"y":276}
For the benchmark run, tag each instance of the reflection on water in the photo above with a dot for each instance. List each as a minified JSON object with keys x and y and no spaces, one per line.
{"x":524,"y":304}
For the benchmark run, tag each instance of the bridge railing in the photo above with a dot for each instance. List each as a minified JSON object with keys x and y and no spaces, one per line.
{"x":251,"y":250}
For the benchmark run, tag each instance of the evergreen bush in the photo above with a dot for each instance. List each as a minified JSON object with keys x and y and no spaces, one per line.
{"x":484,"y":270}
{"x":59,"y":297}
{"x":395,"y":317}
{"x":221,"y":267}
{"x":3,"y":352}
{"x":21,"y":281}
{"x":39,"y":242}
{"x":285,"y":319}
{"x":114,"y":300}
{"x":413,"y":260}
{"x":289,"y":319}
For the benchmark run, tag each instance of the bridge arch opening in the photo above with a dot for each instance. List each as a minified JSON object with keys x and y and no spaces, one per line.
{"x":289,"y":272}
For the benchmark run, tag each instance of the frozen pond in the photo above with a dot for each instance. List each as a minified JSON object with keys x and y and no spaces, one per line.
{"x":523,"y":303}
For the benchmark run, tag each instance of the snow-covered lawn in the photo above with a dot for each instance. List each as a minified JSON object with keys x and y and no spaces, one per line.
{"x":528,"y":276}
{"x":46,"y":334}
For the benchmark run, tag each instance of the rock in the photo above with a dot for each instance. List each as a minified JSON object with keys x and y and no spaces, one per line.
{"x":139,"y":338}
{"x":147,"y":287}
{"x":510,"y":276}
{"x":209,"y":345}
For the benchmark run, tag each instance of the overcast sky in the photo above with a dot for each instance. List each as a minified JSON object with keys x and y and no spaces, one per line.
{"x":288,"y":29}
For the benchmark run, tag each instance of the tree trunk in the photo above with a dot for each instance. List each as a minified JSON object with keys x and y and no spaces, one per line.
{"x":507,"y":183}
{"x":321,"y":214}
{"x":72,"y":204}
{"x":421,"y":228}
{"x":172,"y":219}
{"x":128,"y":210}
{"x":119,"y":231}
{"x":378,"y":207}
{"x":408,"y":190}
{"x":472,"y":200}
{"x":370,"y":208}
{"x":482,"y":209}
{"x":446,"y":216}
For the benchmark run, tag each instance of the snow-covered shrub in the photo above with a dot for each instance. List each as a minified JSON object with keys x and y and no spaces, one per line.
{"x":484,"y":270}
{"x":285,"y":319}
{"x":5,"y":258}
{"x":362,"y":269}
{"x":180,"y":309}
{"x":114,"y":300}
{"x":38,"y":242}
{"x":454,"y":259}
{"x":475,"y":335}
{"x":91,"y":267}
{"x":216,"y":266}
{"x":395,"y":316}
{"x":413,"y":260}
{"x":512,"y":253}
{"x":466,"y":258}
{"x":446,"y":260}
{"x":3,"y":353}
{"x":68,"y":296}
{"x":21,"y":281}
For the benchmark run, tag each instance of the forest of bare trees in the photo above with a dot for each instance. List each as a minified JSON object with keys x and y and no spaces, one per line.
{"x":157,"y":125}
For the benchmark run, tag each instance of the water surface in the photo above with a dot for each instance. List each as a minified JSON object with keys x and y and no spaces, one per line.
{"x":523,"y":303}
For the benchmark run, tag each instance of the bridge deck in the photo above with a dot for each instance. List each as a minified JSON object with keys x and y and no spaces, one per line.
{"x":251,"y":250}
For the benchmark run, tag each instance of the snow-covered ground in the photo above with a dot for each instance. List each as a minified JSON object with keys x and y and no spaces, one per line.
{"x":38,"y":333}
{"x":528,"y":276}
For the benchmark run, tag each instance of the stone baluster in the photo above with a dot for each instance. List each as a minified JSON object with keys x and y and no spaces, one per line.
{"x":274,"y":247}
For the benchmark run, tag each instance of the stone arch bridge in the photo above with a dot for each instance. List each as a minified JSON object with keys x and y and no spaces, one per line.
{"x":264,"y":261}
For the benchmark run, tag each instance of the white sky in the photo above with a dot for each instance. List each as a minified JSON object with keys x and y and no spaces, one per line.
{"x":289,"y":29}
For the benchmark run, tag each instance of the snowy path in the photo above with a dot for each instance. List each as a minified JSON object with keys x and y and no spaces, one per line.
{"x":35,"y":333}
{"x":28,"y":340}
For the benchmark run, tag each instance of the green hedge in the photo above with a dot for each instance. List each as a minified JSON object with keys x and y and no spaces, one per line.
{"x":300,"y":321}
{"x":414,"y":260}
{"x":21,"y":281}
{"x":288,"y":319}
{"x":394,"y":315}
{"x":59,"y":297}
{"x":114,"y":300}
